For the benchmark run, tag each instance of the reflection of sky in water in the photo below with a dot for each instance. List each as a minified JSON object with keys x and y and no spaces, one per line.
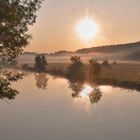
{"x":53,"y":114}
{"x":87,"y":89}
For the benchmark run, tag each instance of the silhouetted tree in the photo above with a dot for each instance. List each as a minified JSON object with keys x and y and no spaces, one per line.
{"x":75,"y":59}
{"x":6,"y":63}
{"x":40,"y":63}
{"x":105,"y":63}
{"x":15,"y":18}
{"x":77,"y":69}
{"x":5,"y":85}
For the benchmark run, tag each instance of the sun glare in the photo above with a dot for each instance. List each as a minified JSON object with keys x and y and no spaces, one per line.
{"x":86,"y":91}
{"x":87,"y":29}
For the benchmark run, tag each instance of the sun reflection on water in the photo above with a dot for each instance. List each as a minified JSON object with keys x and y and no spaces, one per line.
{"x":82,"y":99}
{"x":89,"y":94}
{"x":87,"y":89}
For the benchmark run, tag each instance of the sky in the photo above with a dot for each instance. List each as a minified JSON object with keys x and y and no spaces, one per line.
{"x":118,"y":22}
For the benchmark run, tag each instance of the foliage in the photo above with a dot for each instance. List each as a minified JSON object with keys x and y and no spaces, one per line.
{"x":114,"y":62}
{"x":75,"y":59}
{"x":94,"y":69}
{"x":76,"y":87}
{"x":105,"y":63}
{"x":40,"y":63}
{"x":6,"y":63}
{"x":95,"y":96}
{"x":76,"y":70}
{"x":5,"y":85}
{"x":15,"y":18}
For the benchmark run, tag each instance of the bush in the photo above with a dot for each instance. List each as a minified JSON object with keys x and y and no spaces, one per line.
{"x":6,"y":63}
{"x":13,"y":63}
{"x":114,"y":62}
{"x":24,"y":66}
{"x":77,"y":70}
{"x":76,"y":59}
{"x":40,"y":63}
{"x":27,"y":67}
{"x":105,"y":63}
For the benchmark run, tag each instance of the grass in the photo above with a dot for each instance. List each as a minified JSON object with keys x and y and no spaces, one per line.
{"x":121,"y":72}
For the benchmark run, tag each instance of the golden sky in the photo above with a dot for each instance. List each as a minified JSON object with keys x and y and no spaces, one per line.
{"x":118,"y":22}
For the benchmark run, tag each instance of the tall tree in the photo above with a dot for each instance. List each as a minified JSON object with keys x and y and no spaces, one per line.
{"x":40,"y":63}
{"x":15,"y":18}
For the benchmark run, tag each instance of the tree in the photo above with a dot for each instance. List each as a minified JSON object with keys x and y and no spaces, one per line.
{"x":76,"y":59}
{"x":76,"y":71}
{"x":5,"y":63}
{"x":5,"y":85}
{"x":15,"y":18}
{"x":40,"y":63}
{"x":105,"y":63}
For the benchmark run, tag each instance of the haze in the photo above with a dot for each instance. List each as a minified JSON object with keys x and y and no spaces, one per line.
{"x":54,"y":30}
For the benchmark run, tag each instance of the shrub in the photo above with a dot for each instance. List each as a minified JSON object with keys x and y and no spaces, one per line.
{"x":40,"y":63}
{"x":6,"y":63}
{"x":105,"y":63}
{"x":76,"y":71}
{"x":13,"y":63}
{"x":24,"y":66}
{"x":114,"y":62}
{"x":76,"y":59}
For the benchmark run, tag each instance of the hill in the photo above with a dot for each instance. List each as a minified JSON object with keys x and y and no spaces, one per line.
{"x":129,"y":47}
{"x":61,"y":53}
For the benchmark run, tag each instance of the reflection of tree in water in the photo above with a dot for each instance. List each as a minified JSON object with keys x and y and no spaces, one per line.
{"x":16,"y":16}
{"x":41,"y":80}
{"x":6,"y":91}
{"x":76,"y":87}
{"x":95,"y":96}
{"x":76,"y":78}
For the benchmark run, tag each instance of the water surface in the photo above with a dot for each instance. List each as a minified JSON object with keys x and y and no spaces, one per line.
{"x":50,"y":108}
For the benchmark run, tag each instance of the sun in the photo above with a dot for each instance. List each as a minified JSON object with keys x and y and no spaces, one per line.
{"x":86,"y":29}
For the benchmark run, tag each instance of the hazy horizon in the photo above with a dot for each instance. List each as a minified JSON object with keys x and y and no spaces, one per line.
{"x":118,"y":22}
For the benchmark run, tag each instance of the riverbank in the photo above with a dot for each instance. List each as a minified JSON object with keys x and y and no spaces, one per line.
{"x":121,"y":71}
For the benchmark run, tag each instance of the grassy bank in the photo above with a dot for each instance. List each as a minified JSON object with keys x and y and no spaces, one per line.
{"x":121,"y":72}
